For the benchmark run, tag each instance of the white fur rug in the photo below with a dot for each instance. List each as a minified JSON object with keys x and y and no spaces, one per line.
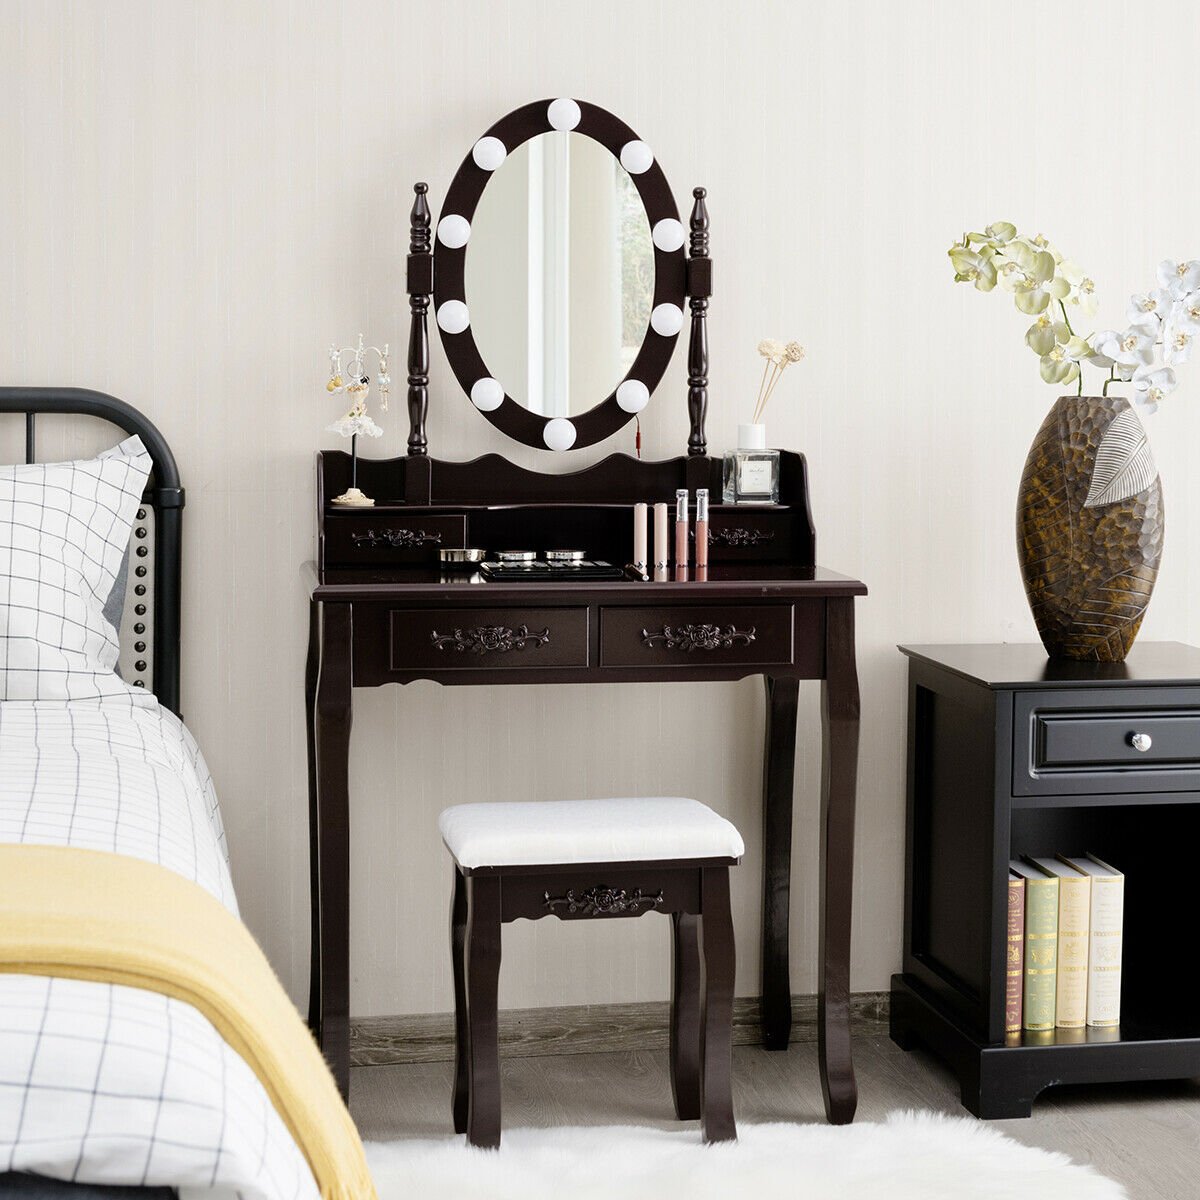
{"x":912,"y":1156}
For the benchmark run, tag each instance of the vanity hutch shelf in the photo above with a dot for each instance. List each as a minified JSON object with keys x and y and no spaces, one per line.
{"x":1010,"y":754}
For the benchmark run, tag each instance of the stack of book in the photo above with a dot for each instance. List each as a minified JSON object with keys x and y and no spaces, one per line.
{"x":1064,"y":944}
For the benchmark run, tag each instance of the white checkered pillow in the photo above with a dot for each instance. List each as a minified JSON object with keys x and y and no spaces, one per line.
{"x":64,"y":529}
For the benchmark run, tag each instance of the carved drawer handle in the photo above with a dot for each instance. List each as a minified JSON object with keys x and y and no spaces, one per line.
{"x":398,"y":539}
{"x":698,"y":637}
{"x":602,"y":901}
{"x":483,"y":639}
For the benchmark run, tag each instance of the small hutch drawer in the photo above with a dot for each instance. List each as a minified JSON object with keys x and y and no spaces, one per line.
{"x":700,"y":635}
{"x":355,"y":539}
{"x":484,"y":639}
{"x":1117,"y":740}
{"x":743,"y":535}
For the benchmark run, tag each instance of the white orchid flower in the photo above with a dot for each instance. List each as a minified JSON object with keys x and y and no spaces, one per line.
{"x":1186,"y":313}
{"x":1177,"y":344}
{"x":1179,"y":278}
{"x":1133,"y":348}
{"x":1148,"y":311}
{"x":1097,"y":357}
{"x":1150,"y":387}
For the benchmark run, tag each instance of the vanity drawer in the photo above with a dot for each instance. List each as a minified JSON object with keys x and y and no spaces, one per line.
{"x":483,"y":639}
{"x":358,"y":539}
{"x":743,"y":535}
{"x":703,"y":635}
{"x":1109,"y":741}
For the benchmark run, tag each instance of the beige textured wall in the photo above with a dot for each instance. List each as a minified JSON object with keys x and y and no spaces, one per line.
{"x":197,"y":197}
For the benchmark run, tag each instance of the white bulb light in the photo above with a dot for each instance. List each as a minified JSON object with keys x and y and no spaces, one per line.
{"x":559,"y":434}
{"x":453,"y":316}
{"x":632,"y":396}
{"x":563,"y":113}
{"x":488,"y":153}
{"x":666,"y":319}
{"x":667,"y":235}
{"x":636,"y":157}
{"x":454,"y":230}
{"x":487,"y":394}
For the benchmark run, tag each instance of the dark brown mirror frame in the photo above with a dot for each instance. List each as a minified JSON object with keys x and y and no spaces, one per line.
{"x":676,"y":277}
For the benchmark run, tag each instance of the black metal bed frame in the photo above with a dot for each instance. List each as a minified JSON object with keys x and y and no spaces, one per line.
{"x":163,"y":494}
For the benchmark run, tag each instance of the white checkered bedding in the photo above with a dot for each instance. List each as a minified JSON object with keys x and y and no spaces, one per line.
{"x":108,"y":1084}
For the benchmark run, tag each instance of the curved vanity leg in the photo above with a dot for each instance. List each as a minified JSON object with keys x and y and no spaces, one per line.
{"x":458,"y":948}
{"x":779,"y":768}
{"x":483,"y":1040}
{"x":716,"y":929}
{"x":312,"y":668}
{"x":333,"y":838}
{"x":685,"y":1015}
{"x":839,"y":770}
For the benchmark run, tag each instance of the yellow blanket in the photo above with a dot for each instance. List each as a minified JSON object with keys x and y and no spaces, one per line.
{"x":86,"y":914}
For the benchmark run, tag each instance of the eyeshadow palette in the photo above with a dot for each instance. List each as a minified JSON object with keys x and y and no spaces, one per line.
{"x":543,"y":572}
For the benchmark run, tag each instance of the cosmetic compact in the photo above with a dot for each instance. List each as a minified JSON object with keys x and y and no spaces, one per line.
{"x":461,"y":558}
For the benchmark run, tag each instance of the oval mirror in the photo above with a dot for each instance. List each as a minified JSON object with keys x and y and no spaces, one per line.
{"x":559,"y":274}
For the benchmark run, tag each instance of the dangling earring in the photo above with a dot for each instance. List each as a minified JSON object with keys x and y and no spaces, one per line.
{"x":358,"y":387}
{"x":335,"y":383}
{"x":385,"y":382}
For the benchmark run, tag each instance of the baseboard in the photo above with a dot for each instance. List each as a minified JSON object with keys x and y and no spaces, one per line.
{"x":582,"y":1029}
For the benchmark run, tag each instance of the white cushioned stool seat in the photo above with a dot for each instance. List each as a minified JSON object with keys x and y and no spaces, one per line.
{"x":637,"y":829}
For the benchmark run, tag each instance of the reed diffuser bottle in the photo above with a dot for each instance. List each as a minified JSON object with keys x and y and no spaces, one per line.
{"x":751,"y":472}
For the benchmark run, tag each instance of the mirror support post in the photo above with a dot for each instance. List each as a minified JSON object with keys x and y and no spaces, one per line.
{"x":699,"y":286}
{"x":420,"y":288}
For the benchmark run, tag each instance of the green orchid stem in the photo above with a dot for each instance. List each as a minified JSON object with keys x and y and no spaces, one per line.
{"x":1066,"y":320}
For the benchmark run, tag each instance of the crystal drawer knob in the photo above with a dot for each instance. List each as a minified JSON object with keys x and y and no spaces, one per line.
{"x":1141,"y":741}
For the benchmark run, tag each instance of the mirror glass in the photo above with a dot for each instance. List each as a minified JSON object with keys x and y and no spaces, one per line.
{"x":559,"y":273}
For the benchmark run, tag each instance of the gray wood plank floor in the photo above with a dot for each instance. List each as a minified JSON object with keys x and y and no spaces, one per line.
{"x":1147,"y":1136}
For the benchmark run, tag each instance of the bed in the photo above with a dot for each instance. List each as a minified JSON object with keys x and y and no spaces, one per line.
{"x":105,"y":1084}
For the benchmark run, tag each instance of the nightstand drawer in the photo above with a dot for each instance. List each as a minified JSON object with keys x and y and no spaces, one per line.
{"x":487,"y":639}
{"x":356,"y":539}
{"x":1106,"y":741}
{"x":701,"y":635}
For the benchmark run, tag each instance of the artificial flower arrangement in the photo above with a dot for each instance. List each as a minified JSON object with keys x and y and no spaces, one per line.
{"x":779,"y":356}
{"x":1162,"y":324}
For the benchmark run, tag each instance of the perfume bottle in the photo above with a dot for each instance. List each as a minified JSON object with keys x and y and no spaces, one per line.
{"x":751,"y":474}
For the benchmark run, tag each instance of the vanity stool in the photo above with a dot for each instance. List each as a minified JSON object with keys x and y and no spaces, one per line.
{"x":593,"y":860}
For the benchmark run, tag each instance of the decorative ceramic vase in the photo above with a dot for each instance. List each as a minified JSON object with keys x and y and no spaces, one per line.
{"x":1090,"y":527}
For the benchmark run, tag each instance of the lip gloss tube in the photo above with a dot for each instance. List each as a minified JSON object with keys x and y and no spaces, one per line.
{"x":661,"y":543}
{"x":681,"y":529}
{"x":701,"y":528}
{"x":640,"y":553}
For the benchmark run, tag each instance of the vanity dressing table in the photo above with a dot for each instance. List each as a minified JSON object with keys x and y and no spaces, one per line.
{"x":384,"y":608}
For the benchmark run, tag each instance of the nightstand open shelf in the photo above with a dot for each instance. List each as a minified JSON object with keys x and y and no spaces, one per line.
{"x":1009,"y":755}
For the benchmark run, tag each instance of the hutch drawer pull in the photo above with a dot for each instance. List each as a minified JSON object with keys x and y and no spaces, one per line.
{"x":483,"y":639}
{"x":736,"y":536}
{"x":698,"y":637}
{"x":398,"y":539}
{"x":1141,"y":741}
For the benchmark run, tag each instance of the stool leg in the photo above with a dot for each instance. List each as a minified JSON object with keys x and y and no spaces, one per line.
{"x":458,"y":948}
{"x":717,"y":931}
{"x":483,"y":975}
{"x":685,"y":1015}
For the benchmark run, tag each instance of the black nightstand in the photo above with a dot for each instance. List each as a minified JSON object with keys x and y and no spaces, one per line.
{"x":1010,"y":754}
